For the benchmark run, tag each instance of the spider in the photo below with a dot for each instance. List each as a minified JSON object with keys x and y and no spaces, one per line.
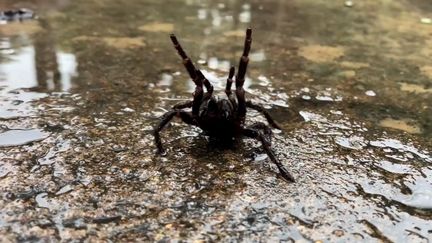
{"x":221,"y":118}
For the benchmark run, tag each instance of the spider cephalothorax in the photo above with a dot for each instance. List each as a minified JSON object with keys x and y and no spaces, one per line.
{"x":222,"y":118}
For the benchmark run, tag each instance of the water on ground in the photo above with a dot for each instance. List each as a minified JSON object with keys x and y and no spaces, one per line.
{"x":83,"y":85}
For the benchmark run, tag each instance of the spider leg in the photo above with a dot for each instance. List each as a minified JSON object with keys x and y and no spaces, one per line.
{"x":244,"y":60}
{"x":197,"y":99}
{"x":196,"y":76}
{"x":229,"y":81}
{"x":186,"y":117}
{"x":261,"y":109}
{"x":228,"y":92}
{"x":207,"y":84}
{"x":267,"y":132}
{"x":187,"y":62}
{"x":262,"y":137}
{"x":240,"y":77}
{"x":182,"y":105}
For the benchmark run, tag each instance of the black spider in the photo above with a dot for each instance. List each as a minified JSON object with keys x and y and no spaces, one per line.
{"x":222,"y":118}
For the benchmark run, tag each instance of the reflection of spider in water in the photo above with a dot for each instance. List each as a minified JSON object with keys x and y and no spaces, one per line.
{"x":222,"y":118}
{"x":19,"y":14}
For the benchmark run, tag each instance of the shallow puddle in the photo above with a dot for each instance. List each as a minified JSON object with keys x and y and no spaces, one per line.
{"x":21,"y":137}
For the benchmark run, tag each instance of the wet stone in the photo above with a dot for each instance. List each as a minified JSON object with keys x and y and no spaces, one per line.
{"x":118,"y":148}
{"x":106,"y":220}
{"x":65,"y":189}
{"x":75,"y":223}
{"x":44,"y":223}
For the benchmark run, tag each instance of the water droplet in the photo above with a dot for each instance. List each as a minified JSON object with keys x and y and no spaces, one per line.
{"x":309,"y":116}
{"x":305,"y":89}
{"x":43,"y":201}
{"x":306,"y":97}
{"x":324,"y":98}
{"x":127,"y":109}
{"x":354,"y":142}
{"x":260,"y":157}
{"x":65,"y":189}
{"x":370,"y":93}
{"x":395,"y":144}
{"x":264,"y":81}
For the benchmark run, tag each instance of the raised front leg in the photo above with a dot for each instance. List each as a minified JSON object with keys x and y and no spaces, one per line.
{"x":165,"y":119}
{"x":262,"y":137}
{"x":196,"y":76}
{"x":192,"y":71}
{"x":244,"y":59}
{"x":229,"y":81}
{"x":240,"y":78}
{"x":261,"y":109}
{"x":187,"y":62}
{"x":207,"y":84}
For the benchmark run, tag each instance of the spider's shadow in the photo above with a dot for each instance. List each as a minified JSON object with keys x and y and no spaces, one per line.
{"x":214,"y":165}
{"x":205,"y":147}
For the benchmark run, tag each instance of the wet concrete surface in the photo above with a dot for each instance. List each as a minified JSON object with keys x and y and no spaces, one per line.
{"x":84,"y":83}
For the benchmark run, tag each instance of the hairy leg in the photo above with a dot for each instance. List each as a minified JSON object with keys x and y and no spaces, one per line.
{"x":240,"y":78}
{"x":187,"y":62}
{"x":207,"y":84}
{"x":259,"y":135}
{"x":182,"y":105}
{"x":229,"y":81}
{"x":228,"y":92}
{"x":244,"y":59}
{"x":261,"y":109}
{"x":165,"y":119}
{"x":196,"y":76}
{"x":267,"y":132}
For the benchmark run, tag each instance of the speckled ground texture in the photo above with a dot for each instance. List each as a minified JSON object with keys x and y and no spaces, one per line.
{"x":83,"y":85}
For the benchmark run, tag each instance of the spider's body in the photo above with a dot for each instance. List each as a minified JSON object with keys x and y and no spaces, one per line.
{"x":222,"y":118}
{"x":217,"y":118}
